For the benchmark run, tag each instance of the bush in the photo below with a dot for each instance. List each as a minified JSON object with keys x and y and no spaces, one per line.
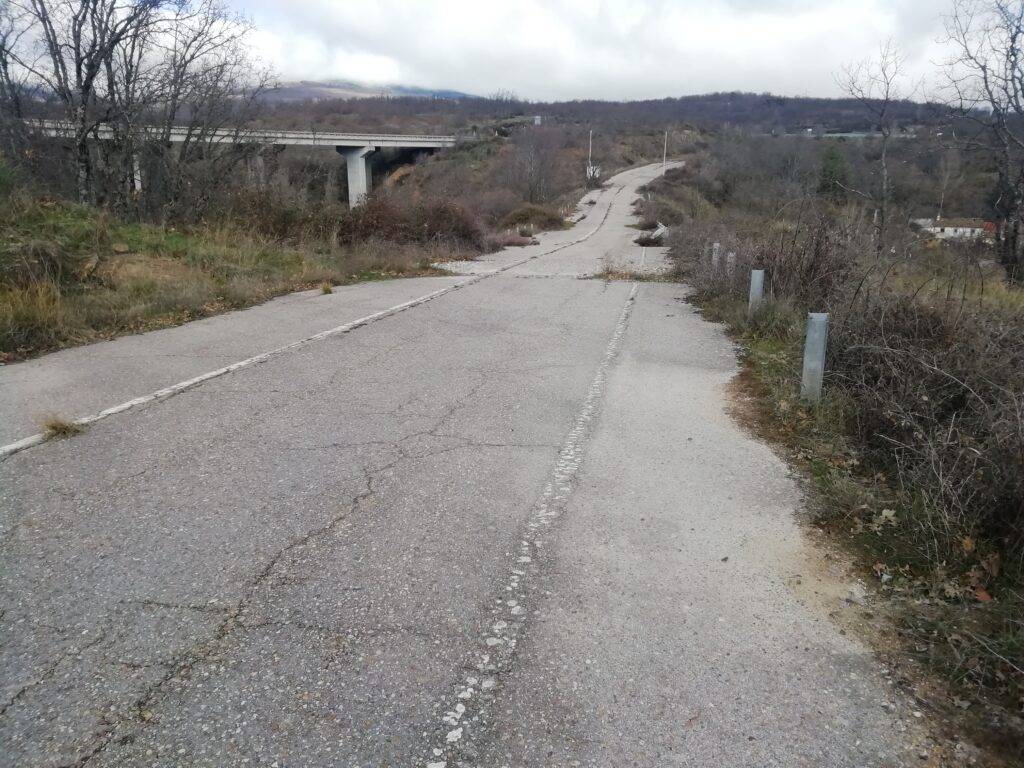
{"x":939,"y":408}
{"x":379,"y":217}
{"x":511,"y":240}
{"x":24,"y":265}
{"x":31,"y":317}
{"x":537,"y":215}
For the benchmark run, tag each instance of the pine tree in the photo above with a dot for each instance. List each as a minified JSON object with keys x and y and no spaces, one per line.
{"x":834,"y":176}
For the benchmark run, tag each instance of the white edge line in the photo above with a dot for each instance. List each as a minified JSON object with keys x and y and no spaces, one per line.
{"x":162,"y":394}
{"x":174,"y":389}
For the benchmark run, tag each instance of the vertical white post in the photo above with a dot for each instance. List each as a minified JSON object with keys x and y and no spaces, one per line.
{"x":664,"y":154}
{"x":730,"y":263}
{"x":137,"y":172}
{"x":814,"y":356}
{"x":756,"y":291}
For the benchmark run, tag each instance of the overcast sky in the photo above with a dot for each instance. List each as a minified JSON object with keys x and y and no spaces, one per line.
{"x":610,"y":49}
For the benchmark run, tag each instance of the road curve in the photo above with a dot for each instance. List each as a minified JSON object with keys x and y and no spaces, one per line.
{"x":511,"y":525}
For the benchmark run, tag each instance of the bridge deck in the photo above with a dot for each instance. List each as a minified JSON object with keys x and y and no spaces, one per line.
{"x":60,"y":129}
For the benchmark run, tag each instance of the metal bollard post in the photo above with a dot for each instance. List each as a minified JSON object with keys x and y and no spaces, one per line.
{"x":814,"y":356}
{"x":756,"y":291}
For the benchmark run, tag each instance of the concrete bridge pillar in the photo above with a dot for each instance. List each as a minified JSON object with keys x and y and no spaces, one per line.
{"x":257,"y":170}
{"x":356,"y":160}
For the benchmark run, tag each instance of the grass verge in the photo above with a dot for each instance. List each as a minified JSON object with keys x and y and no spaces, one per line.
{"x":71,"y":275}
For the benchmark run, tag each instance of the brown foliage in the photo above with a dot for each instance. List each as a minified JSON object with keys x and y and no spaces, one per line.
{"x":940,"y":409}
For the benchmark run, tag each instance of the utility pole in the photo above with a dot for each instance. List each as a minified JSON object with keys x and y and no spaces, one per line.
{"x":590,"y":149}
{"x":664,"y":154}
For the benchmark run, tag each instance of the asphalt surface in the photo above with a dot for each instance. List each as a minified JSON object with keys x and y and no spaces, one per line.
{"x":511,"y":525}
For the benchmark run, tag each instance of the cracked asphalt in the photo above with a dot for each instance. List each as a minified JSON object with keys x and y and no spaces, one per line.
{"x":510,"y":526}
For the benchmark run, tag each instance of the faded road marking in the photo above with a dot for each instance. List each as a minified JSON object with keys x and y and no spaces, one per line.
{"x":466,"y":714}
{"x":175,"y":389}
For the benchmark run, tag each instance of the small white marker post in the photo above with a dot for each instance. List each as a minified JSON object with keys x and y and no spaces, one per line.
{"x":730,"y":263}
{"x":814,"y":356}
{"x":756,"y":291}
{"x":716,"y":256}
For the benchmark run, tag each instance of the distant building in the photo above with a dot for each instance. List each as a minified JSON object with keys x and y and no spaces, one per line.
{"x":956,"y":229}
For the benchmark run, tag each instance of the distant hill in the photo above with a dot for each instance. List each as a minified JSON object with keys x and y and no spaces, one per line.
{"x":312,"y":90}
{"x":758,"y":111}
{"x":339,"y":102}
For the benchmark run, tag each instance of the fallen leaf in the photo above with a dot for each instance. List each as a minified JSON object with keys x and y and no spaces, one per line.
{"x":982,"y":596}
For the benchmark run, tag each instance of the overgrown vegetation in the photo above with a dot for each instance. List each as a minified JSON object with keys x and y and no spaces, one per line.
{"x":70,"y":274}
{"x":916,"y":454}
{"x":55,"y":428}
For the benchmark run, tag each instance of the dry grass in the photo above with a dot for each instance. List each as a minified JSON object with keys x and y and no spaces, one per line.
{"x":69,"y":275}
{"x":55,"y":427}
{"x":508,"y":240}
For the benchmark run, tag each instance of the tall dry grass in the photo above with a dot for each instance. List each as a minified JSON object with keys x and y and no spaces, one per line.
{"x":70,"y":274}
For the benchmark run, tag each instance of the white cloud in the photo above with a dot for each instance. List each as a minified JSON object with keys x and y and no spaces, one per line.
{"x":614,"y":49}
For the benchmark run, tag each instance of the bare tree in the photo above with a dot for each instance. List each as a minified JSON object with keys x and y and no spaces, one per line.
{"x":950,"y":171}
{"x":191,"y":75}
{"x":13,"y":86}
{"x":985,"y":81}
{"x":133,"y":73}
{"x":531,"y":166}
{"x":878,"y":84}
{"x":76,"y":39}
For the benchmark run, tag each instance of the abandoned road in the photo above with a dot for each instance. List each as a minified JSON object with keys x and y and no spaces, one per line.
{"x":501,"y":518}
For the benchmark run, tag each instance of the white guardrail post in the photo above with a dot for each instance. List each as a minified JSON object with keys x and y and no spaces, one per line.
{"x":756,"y":291}
{"x":814,"y":356}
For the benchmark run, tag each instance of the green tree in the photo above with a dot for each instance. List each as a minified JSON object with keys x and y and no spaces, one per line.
{"x":834,"y":176}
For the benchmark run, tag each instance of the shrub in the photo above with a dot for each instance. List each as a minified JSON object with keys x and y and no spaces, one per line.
{"x":31,"y":317}
{"x":537,"y":215}
{"x":940,"y":410}
{"x":447,"y":222}
{"x":24,"y":265}
{"x":501,"y":240}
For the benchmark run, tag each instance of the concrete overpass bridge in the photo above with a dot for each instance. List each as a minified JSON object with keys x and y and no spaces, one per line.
{"x":356,"y":148}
